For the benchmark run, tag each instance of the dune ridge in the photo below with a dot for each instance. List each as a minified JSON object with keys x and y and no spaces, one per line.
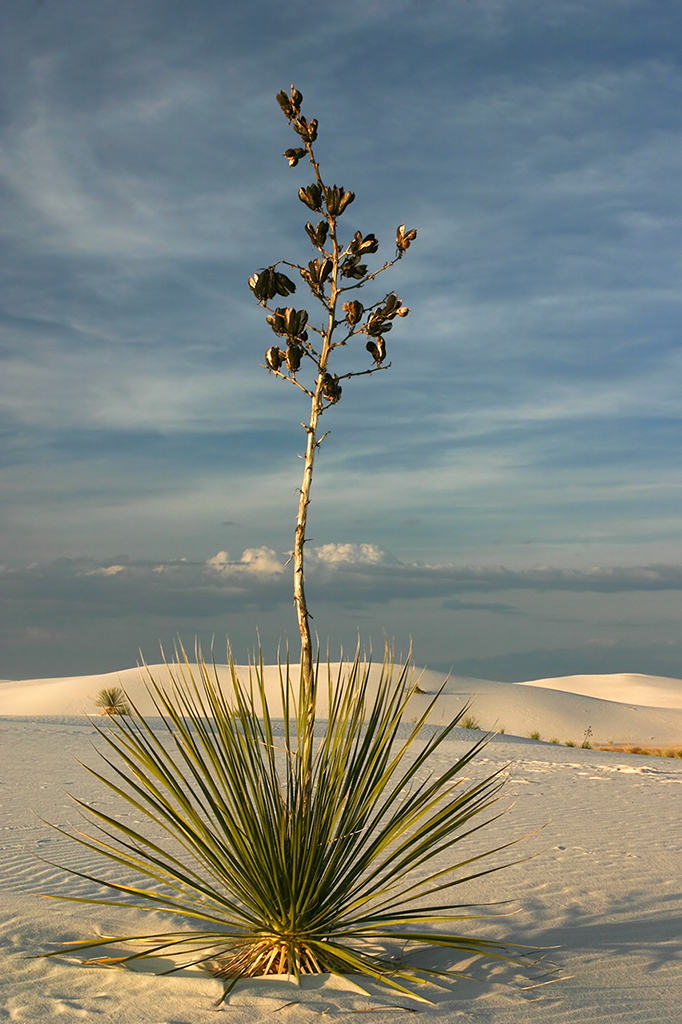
{"x":563,"y":708}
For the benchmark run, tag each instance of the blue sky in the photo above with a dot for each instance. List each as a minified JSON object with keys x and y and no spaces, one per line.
{"x":507,"y":495}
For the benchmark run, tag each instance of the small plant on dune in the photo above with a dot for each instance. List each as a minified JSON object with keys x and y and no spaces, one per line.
{"x":535,"y":735}
{"x":112,"y":700}
{"x":570,"y":743}
{"x":470,"y":722}
{"x":586,"y":745}
{"x":307,"y":851}
{"x":554,"y":739}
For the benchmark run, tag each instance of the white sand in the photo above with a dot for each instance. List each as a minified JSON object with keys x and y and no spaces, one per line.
{"x":603,"y":887}
{"x":622,"y":687}
{"x":518,"y":708}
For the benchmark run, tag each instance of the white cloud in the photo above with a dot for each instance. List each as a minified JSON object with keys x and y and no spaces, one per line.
{"x":354,"y":554}
{"x":256,"y":561}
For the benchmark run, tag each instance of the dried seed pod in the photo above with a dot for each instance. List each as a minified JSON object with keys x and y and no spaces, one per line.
{"x":353,"y":268}
{"x":317,"y":234}
{"x":391,"y":303}
{"x":312,"y":197}
{"x":263,"y":284}
{"x":346,"y":199}
{"x":377,"y":350}
{"x":284,"y":285}
{"x":403,"y":238}
{"x":301,"y":321}
{"x":274,"y":357}
{"x":332,"y":196}
{"x":376,"y":324}
{"x":294,"y":155}
{"x":307,"y":131}
{"x":336,"y":199}
{"x":277,"y":320}
{"x":291,"y":105}
{"x":289,"y":321}
{"x":353,"y":311}
{"x":293,"y":358}
{"x":331,"y":389}
{"x":285,"y":104}
{"x":317,"y":273}
{"x":360,"y":246}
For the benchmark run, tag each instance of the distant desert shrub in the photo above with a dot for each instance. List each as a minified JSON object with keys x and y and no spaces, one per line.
{"x":553,"y":739}
{"x":570,"y":743}
{"x":586,"y":745}
{"x":629,"y":748}
{"x":535,"y":735}
{"x":112,"y":701}
{"x":470,"y":722}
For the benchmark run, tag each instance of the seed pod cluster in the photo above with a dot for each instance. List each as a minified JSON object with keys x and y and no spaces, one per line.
{"x":290,"y":322}
{"x":317,"y":273}
{"x":312,"y":197}
{"x":294,"y":155}
{"x":336,"y":199}
{"x":267,"y":283}
{"x":353,"y":311}
{"x":353,"y":268}
{"x":307,"y":131}
{"x":362,"y":246}
{"x":318,"y":234}
{"x":331,"y":389}
{"x":403,"y":238}
{"x":291,"y":105}
{"x":378,"y":321}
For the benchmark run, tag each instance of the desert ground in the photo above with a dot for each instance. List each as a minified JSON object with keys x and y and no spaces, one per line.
{"x":598,"y":889}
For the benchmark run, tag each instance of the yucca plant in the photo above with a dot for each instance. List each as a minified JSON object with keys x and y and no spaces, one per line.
{"x":317,"y":850}
{"x":277,"y":865}
{"x":112,"y":701}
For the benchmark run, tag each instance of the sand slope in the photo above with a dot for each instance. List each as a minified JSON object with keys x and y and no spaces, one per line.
{"x":623,"y":687}
{"x":602,"y":890}
{"x":544,"y":706}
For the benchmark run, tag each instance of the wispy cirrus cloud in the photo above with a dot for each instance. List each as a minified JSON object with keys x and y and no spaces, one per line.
{"x":532,"y":412}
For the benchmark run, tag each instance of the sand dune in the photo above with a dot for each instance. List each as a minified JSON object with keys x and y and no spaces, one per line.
{"x":605,"y":704}
{"x":601,"y":891}
{"x":622,"y":687}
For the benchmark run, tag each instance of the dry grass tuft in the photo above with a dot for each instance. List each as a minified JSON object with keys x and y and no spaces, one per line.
{"x":627,"y":748}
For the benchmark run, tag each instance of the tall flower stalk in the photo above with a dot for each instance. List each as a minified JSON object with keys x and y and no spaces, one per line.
{"x":337,"y":270}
